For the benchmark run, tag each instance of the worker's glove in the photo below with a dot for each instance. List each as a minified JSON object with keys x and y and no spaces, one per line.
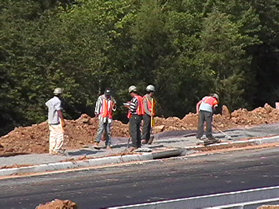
{"x":216,"y":109}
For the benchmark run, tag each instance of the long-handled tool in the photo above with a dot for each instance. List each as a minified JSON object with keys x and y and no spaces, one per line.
{"x":128,"y":142}
{"x":226,"y":135}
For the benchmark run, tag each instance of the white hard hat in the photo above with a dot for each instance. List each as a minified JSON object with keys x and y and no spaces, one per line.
{"x":132,"y":89}
{"x":150,"y":88}
{"x":58,"y":91}
{"x":216,"y":96}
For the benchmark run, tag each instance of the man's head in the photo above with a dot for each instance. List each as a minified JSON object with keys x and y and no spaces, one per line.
{"x":58,"y":91}
{"x":150,"y":89}
{"x":215,"y":96}
{"x":107,"y":92}
{"x":132,"y":89}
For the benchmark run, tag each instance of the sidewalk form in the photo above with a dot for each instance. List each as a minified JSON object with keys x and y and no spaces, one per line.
{"x":160,"y":149}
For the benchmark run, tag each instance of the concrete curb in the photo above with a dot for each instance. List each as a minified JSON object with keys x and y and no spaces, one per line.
{"x":75,"y":164}
{"x":90,"y":162}
{"x":172,"y":152}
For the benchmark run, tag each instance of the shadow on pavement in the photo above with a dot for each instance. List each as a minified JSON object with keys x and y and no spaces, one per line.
{"x":83,"y":152}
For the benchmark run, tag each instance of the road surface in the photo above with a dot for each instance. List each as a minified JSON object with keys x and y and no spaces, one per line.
{"x":146,"y":182}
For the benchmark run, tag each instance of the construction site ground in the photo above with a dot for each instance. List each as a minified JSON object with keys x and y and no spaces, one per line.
{"x":27,"y":147}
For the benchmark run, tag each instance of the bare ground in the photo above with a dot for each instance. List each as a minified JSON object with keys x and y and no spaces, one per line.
{"x":81,"y":132}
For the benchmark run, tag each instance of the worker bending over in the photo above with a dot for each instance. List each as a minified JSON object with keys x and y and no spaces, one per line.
{"x":206,"y":108}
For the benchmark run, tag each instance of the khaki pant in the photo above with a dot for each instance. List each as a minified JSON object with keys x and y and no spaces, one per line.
{"x":56,"y":138}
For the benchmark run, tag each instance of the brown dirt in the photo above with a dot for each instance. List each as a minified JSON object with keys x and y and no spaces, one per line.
{"x":58,"y":204}
{"x":82,"y":132}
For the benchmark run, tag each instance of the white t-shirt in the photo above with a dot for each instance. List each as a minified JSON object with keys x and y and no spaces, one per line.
{"x":208,"y":104}
{"x":54,"y":104}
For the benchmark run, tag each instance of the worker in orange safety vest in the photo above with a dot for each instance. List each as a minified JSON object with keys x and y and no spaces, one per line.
{"x":135,"y":114}
{"x":149,"y":105}
{"x":206,"y":108}
{"x":105,"y":106}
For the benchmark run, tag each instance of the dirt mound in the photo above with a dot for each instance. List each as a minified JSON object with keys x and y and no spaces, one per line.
{"x":34,"y":139}
{"x":58,"y":204}
{"x":269,"y":207}
{"x":81,"y":132}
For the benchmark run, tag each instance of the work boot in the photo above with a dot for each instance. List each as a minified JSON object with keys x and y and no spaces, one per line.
{"x":61,"y":152}
{"x":207,"y":142}
{"x":58,"y":152}
{"x":143,"y":141}
{"x":199,"y":141}
{"x":211,"y":140}
{"x":131,"y":149}
{"x":52,"y":152}
{"x":96,"y":145}
{"x":214,"y":140}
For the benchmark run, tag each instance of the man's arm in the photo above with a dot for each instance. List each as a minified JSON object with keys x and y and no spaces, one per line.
{"x":60,"y":114}
{"x":145,"y":105}
{"x":198,"y":106}
{"x":133,"y":105}
{"x":98,"y":106}
{"x":113,"y":104}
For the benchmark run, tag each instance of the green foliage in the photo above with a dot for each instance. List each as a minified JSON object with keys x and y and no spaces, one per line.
{"x":186,"y":48}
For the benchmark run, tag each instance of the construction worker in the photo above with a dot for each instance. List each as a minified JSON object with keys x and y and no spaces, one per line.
{"x":105,"y":106}
{"x":135,"y":116}
{"x":206,"y":108}
{"x":148,"y":117}
{"x":56,"y":123}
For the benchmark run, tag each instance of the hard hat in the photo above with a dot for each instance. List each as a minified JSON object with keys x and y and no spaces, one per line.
{"x":132,"y":89}
{"x":107,"y":92}
{"x":216,"y":96}
{"x":58,"y":91}
{"x":150,"y":88}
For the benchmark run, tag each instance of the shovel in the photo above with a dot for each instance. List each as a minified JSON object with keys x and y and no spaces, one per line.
{"x":226,"y":135}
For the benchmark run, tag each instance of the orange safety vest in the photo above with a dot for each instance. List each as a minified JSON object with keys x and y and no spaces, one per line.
{"x":210,"y":100}
{"x":106,"y":109}
{"x":150,"y":104}
{"x":140,"y":108}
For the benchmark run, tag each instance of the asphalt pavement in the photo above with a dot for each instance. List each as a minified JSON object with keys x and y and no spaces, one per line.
{"x":168,"y":144}
{"x":154,"y":184}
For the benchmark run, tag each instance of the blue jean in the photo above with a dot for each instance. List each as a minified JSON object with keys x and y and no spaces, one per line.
{"x":104,"y":127}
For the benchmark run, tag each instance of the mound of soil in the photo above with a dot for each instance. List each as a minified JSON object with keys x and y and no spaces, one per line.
{"x":269,"y":207}
{"x":81,"y":132}
{"x":58,"y":204}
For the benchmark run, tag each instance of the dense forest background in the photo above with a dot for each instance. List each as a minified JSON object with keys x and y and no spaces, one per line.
{"x":186,"y":48}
